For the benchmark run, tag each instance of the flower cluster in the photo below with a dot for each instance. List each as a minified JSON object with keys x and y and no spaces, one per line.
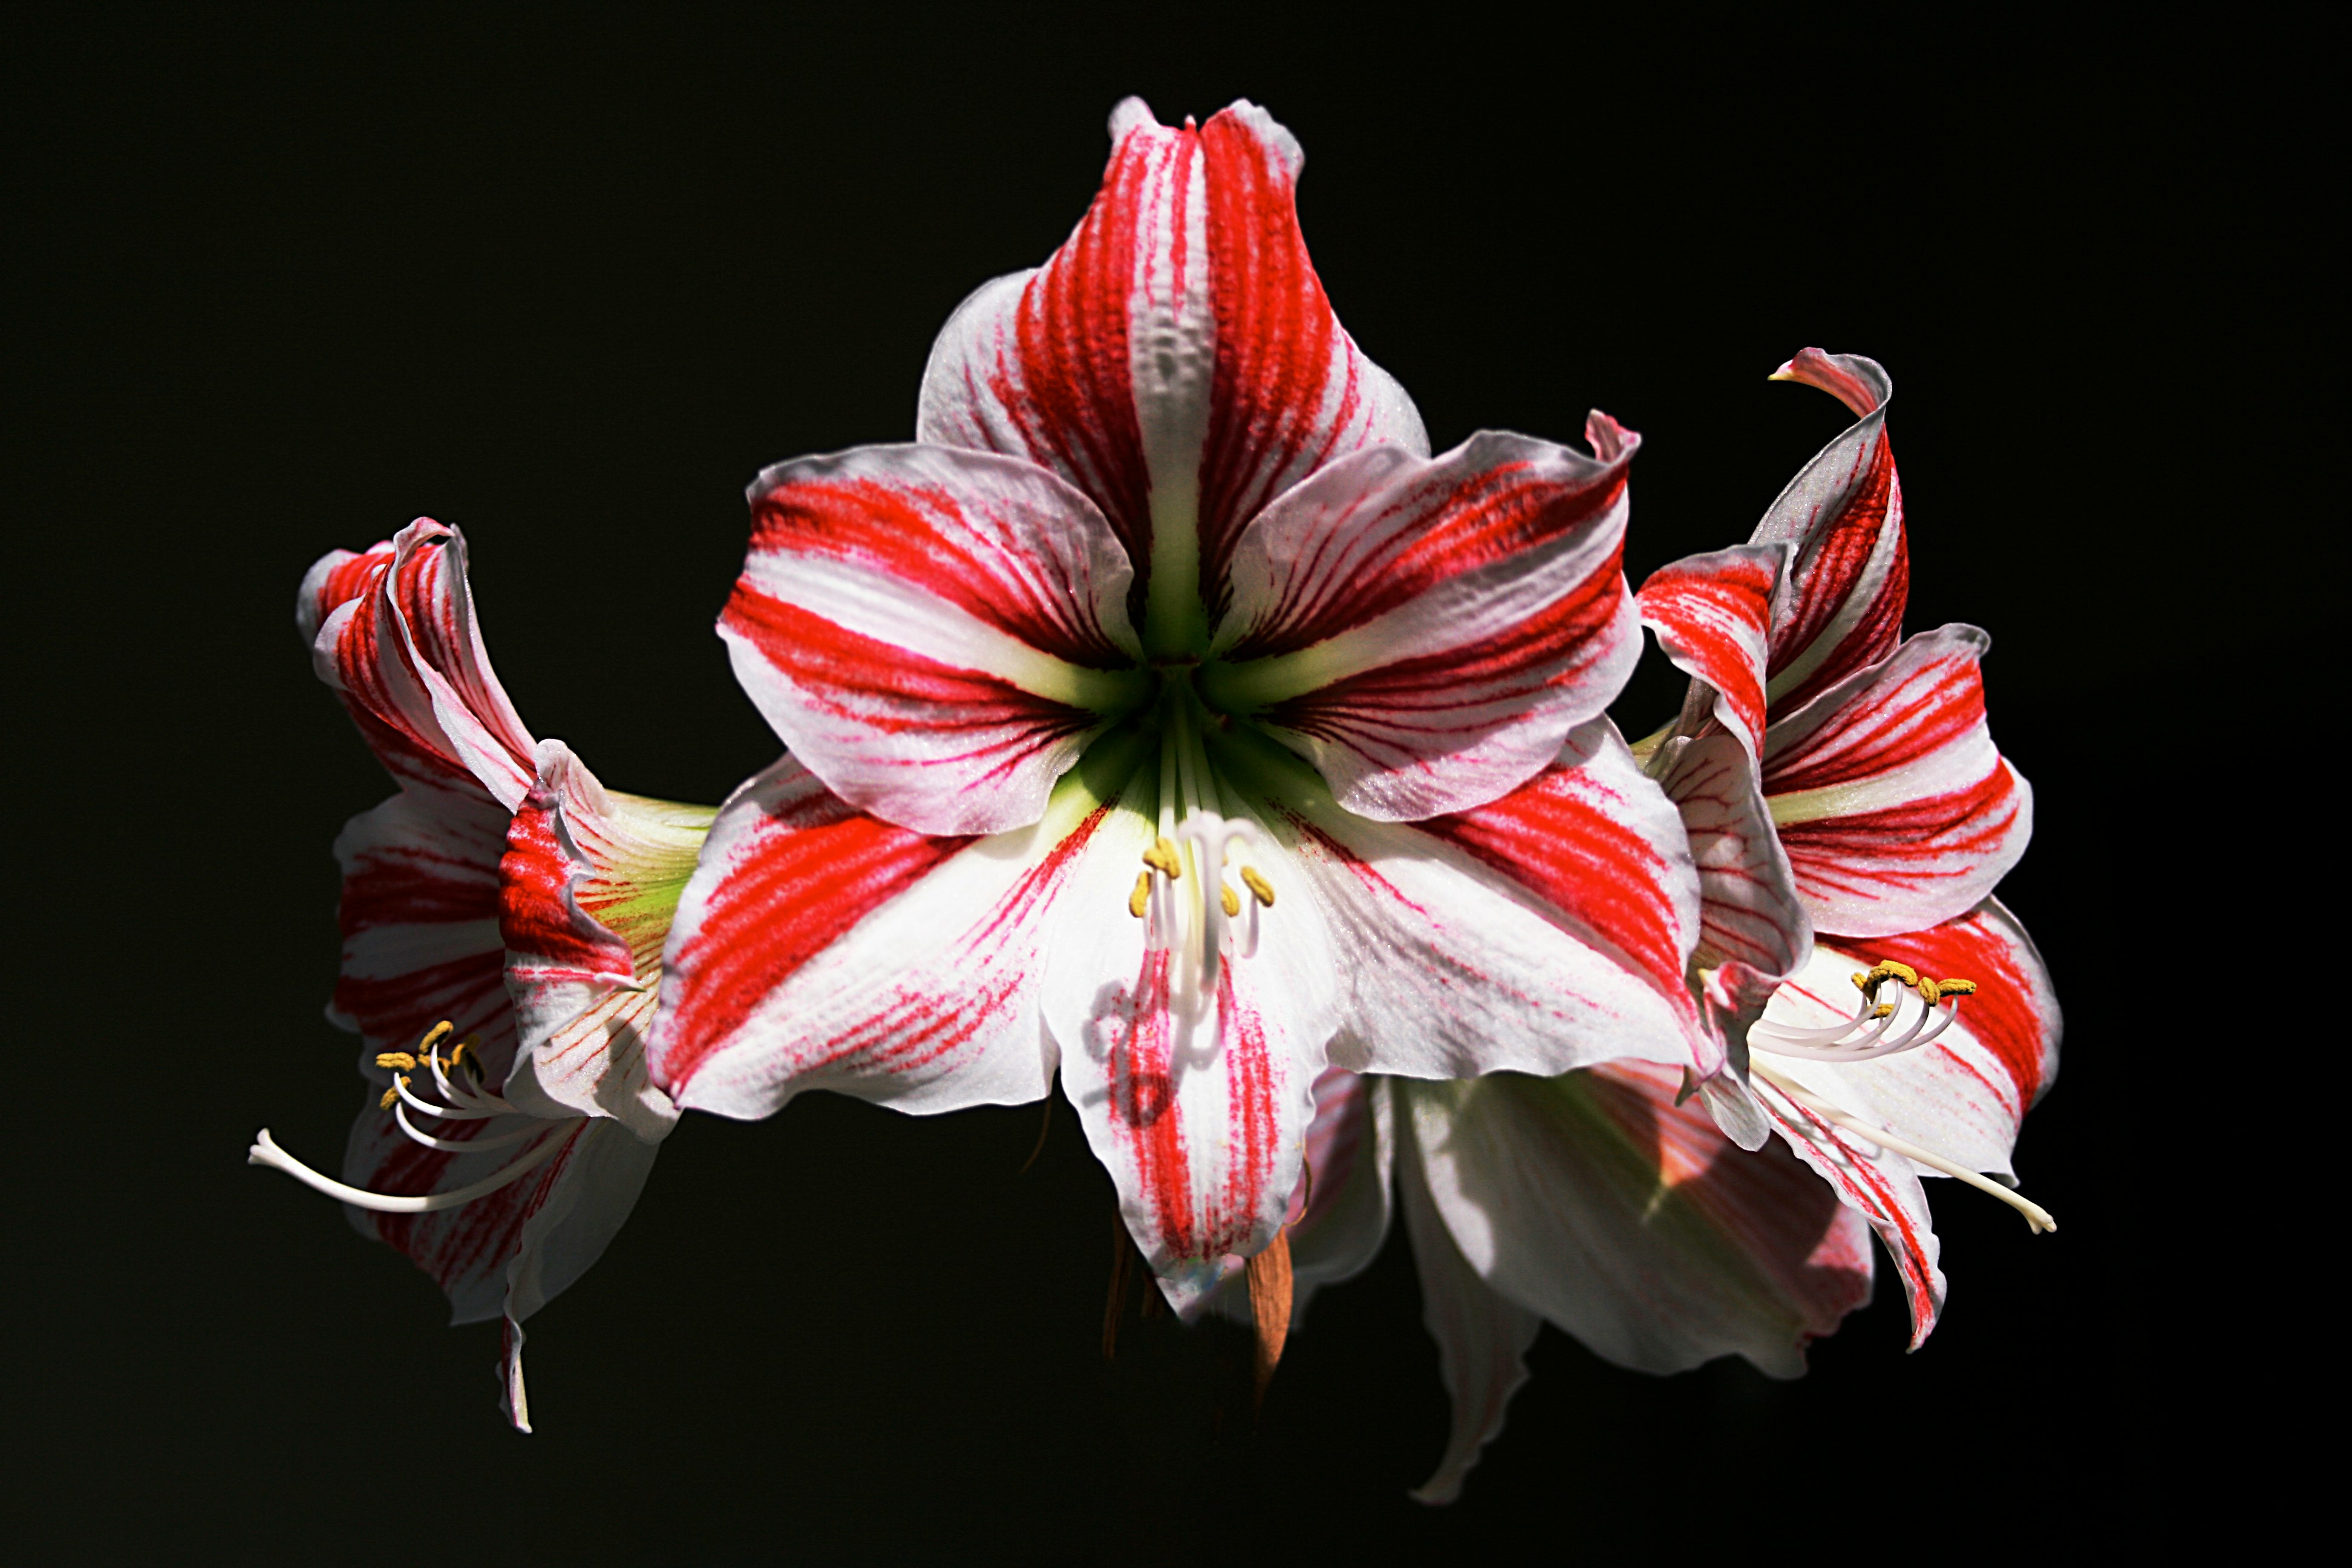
{"x":1167,"y":719}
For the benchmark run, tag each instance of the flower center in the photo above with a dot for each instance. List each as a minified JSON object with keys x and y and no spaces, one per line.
{"x":457,"y":1080}
{"x":1195,"y":915}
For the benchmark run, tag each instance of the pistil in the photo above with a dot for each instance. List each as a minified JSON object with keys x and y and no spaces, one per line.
{"x":2036,"y":1217}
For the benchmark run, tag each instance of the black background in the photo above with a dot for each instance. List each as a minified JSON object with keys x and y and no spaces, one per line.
{"x":568,"y":283}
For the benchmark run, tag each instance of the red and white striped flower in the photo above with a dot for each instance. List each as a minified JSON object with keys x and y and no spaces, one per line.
{"x":1848,"y":815}
{"x":503,"y":918}
{"x":1167,"y":716}
{"x":1892,"y":816}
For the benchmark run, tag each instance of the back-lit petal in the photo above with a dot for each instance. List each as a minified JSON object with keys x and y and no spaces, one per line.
{"x":1482,"y":1336}
{"x":1632,"y":1223}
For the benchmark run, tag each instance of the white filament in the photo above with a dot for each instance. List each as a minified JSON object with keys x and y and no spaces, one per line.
{"x":458,"y":1145}
{"x":1863,"y":1038}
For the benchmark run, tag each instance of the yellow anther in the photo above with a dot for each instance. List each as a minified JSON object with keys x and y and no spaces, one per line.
{"x":435,"y":1036}
{"x":1231,"y":899}
{"x":1887,"y":968}
{"x":395,"y":1060}
{"x":470,"y":1042}
{"x":1260,"y":889}
{"x":1136,"y":899}
{"x":390,"y":1096}
{"x":1883,"y":1009}
{"x":1162,"y":858}
{"x":1928,"y":990}
{"x":1861,"y":982}
{"x":1956,"y":987}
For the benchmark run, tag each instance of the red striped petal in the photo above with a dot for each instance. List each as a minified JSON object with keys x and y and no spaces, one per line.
{"x":588,"y":888}
{"x":511,"y":1252}
{"x":1842,"y":609}
{"x":1427,"y":631}
{"x":1896,"y":808}
{"x":393,"y":632}
{"x":1198,"y":1116}
{"x":419,"y":915}
{"x":935,"y":633}
{"x":1177,"y":358}
{"x":1545,"y":931}
{"x":821,"y":947}
{"x":1964,"y":1095}
{"x":1712,"y":614}
{"x":1749,"y":908}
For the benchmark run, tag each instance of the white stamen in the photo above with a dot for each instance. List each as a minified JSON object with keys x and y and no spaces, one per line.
{"x":2036,"y":1217}
{"x":457,"y":1145}
{"x":266,"y":1151}
{"x":450,"y":1113}
{"x":1841,"y":1044}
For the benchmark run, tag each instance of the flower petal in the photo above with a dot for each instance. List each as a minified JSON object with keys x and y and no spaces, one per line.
{"x":1895,"y":808}
{"x":1632,"y":1223}
{"x":1965,"y":1094}
{"x":936,"y":634}
{"x":1339,"y":1217}
{"x":1198,"y":1113}
{"x":1712,"y":615}
{"x":588,"y":886}
{"x":1843,"y":607}
{"x":821,"y":947}
{"x":1176,"y":359}
{"x":510,"y":1253}
{"x":1342,"y":1207}
{"x":1543,"y":931}
{"x":1428,"y":630}
{"x":420,"y":925}
{"x":394,"y":633}
{"x":1882,"y":1187}
{"x":1748,"y":908}
{"x":1482,"y":1337}
{"x":396,"y":636}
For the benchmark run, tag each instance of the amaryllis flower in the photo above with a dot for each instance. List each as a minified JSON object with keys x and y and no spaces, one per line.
{"x":1167,"y":716}
{"x":1907,"y":1023}
{"x":1830,"y":780}
{"x":503,"y":916}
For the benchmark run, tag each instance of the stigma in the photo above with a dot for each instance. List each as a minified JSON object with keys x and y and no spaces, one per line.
{"x":1921,"y":1009}
{"x":460,"y":1097}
